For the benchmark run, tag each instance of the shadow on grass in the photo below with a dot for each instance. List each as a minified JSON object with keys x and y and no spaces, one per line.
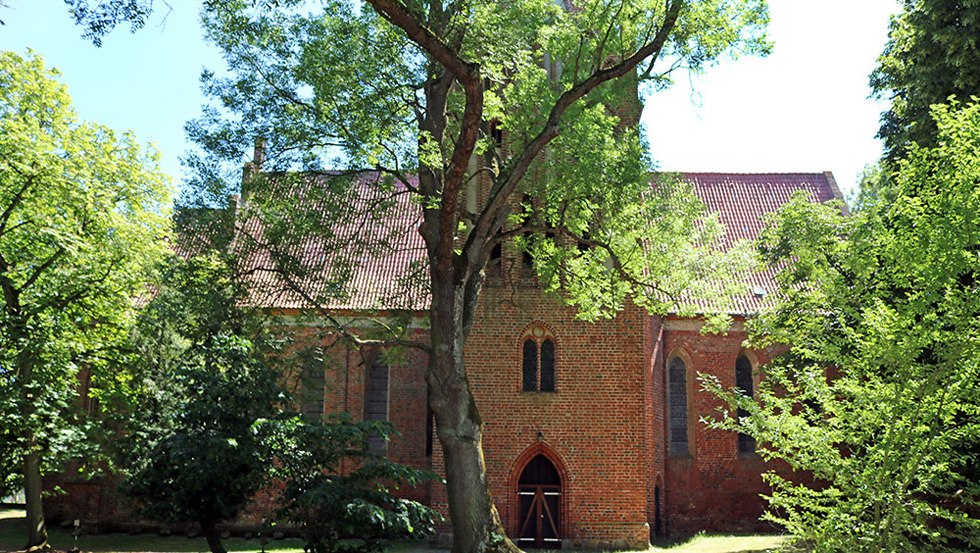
{"x":13,"y":536}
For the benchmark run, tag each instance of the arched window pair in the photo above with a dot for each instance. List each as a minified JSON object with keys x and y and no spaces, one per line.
{"x":538,"y":361}
{"x":677,"y":416}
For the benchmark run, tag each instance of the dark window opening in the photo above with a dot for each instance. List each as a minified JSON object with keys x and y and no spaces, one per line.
{"x":583,"y":243}
{"x":496,"y":255}
{"x":538,"y":364}
{"x":496,"y":133}
{"x":547,"y":366}
{"x":312,"y":390}
{"x":376,"y":400}
{"x":530,"y":366}
{"x":743,"y":381}
{"x":677,"y":406}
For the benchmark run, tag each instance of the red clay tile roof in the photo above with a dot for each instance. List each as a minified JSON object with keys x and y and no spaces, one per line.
{"x":742,"y":200}
{"x":385,"y":256}
{"x":377,"y":253}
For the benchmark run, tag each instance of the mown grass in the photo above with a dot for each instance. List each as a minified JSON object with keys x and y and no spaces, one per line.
{"x":705,"y":543}
{"x":13,"y":532}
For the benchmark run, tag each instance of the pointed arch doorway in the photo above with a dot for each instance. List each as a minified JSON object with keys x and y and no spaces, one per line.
{"x":539,"y":505}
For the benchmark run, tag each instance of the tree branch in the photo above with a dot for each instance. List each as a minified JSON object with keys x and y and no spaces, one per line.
{"x":399,"y":15}
{"x":17,"y":198}
{"x":512,"y":176}
{"x":468,"y":75}
{"x":40,"y":270}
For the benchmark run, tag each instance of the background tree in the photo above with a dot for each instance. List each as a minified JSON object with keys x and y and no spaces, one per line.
{"x":879,"y":394}
{"x":932,"y":53}
{"x":83,"y":217}
{"x":195,"y":455}
{"x":417,"y":92}
{"x":215,"y":422}
{"x":99,"y":18}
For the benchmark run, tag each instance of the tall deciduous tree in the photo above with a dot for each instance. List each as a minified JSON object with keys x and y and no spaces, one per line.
{"x":83,"y":217}
{"x":534,"y":99}
{"x":879,"y":394}
{"x":932,"y":53}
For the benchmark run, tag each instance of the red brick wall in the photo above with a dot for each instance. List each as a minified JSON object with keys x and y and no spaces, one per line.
{"x":714,"y":487}
{"x":407,"y":396}
{"x":604,"y":428}
{"x":595,"y":426}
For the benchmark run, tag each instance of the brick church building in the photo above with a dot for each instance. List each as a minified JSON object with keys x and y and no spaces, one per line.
{"x":591,"y":429}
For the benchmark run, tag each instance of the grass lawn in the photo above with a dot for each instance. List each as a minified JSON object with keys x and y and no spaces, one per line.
{"x":13,"y":533}
{"x":704,"y":543}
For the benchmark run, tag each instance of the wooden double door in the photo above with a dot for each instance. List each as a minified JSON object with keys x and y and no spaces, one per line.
{"x":539,"y":505}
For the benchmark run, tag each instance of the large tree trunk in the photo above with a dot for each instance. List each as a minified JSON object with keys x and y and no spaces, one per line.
{"x":476,"y":525}
{"x":211,"y":534}
{"x":37,"y":533}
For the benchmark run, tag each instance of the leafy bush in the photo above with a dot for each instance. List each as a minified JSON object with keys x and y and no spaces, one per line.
{"x":879,"y":394}
{"x":193,"y":453}
{"x":340,"y":494}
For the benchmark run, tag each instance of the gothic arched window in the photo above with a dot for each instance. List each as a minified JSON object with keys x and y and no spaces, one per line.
{"x":743,"y":381}
{"x":538,"y":361}
{"x":677,"y":406}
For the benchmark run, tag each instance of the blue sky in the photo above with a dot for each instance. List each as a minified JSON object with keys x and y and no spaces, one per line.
{"x":803,"y":108}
